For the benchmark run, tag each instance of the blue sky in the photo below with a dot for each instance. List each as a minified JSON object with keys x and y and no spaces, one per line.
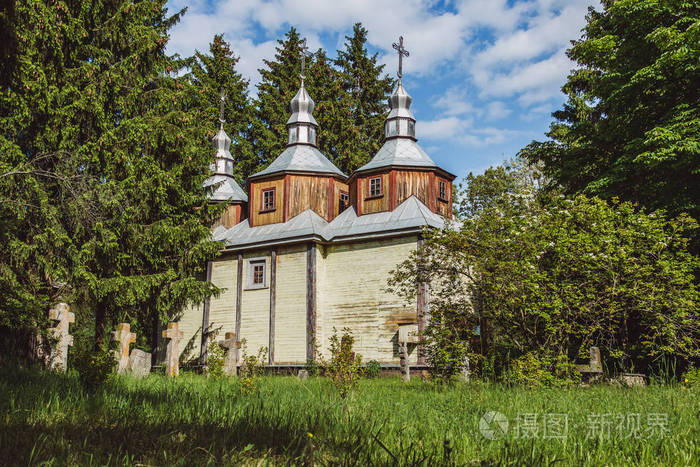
{"x":485,"y":75}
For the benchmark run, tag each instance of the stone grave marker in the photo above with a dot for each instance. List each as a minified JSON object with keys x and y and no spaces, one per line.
{"x":303,"y":375}
{"x":403,"y":356}
{"x":172,"y":354}
{"x":139,"y":363}
{"x":59,"y":354}
{"x":231,"y":358}
{"x":125,"y":337}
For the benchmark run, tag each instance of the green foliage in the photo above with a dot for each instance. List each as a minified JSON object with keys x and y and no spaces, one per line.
{"x":691,"y":378}
{"x":536,"y":369}
{"x":372,"y":369}
{"x":313,"y":368}
{"x":251,"y":368}
{"x":93,"y":365}
{"x":344,"y":366}
{"x":545,"y":272}
{"x":446,"y":344}
{"x":215,"y":360}
{"x":631,"y":125}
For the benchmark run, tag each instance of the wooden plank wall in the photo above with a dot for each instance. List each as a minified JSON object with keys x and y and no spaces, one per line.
{"x":354,"y":296}
{"x":368,"y":206}
{"x":308,"y":192}
{"x":290,"y":305}
{"x":256,"y":189}
{"x":233,"y":214}
{"x":255,"y":308}
{"x":412,"y":183}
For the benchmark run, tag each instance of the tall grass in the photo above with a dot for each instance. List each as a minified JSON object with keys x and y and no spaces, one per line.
{"x":48,"y":418}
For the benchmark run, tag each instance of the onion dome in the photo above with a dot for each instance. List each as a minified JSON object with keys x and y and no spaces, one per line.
{"x":302,"y":126}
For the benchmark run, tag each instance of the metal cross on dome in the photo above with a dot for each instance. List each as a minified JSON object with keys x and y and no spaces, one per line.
{"x":402,"y":53}
{"x":222,"y":100}
{"x":303,"y":59}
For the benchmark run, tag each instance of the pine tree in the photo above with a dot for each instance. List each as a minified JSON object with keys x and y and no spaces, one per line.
{"x":211,"y":73}
{"x":367,"y":88}
{"x":98,"y":135}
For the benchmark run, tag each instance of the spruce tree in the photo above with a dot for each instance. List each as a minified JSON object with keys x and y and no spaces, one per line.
{"x":211,"y":73}
{"x":99,"y":136}
{"x":367,"y":88}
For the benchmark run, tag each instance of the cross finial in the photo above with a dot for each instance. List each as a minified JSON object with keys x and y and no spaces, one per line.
{"x":222,"y":100}
{"x":402,"y":53}
{"x":303,"y":60}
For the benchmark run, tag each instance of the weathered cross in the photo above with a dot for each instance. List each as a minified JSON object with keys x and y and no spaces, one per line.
{"x":402,"y":53}
{"x":222,"y":100}
{"x":172,"y":354}
{"x":59,"y":355}
{"x":125,"y":338}
{"x":231,"y":359}
{"x":303,"y":60}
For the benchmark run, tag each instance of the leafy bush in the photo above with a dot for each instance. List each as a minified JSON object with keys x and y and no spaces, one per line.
{"x":215,"y":360}
{"x":540,"y":369}
{"x":312,"y":367}
{"x":691,"y":378}
{"x":343,"y":368}
{"x":373,"y":369}
{"x":93,"y":366}
{"x":252,"y":367}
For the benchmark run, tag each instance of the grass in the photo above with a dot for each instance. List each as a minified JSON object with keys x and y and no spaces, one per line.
{"x":48,"y":418}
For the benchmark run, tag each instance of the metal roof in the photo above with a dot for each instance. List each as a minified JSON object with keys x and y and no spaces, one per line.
{"x":301,"y":158}
{"x":399,"y":152}
{"x":302,"y":108}
{"x":410,"y":216}
{"x":227,"y":189}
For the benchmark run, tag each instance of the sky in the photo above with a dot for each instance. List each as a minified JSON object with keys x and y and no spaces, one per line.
{"x":485,"y":75}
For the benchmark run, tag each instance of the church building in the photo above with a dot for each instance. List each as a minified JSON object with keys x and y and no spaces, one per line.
{"x":309,"y":249}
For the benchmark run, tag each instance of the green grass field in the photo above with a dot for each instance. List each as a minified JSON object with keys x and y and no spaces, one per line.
{"x":48,"y":418}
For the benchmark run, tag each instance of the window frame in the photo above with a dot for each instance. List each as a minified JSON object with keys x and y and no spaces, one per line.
{"x":343,"y":204}
{"x":380,"y":194}
{"x":274,"y":199}
{"x":442,"y":194}
{"x":250,"y":276}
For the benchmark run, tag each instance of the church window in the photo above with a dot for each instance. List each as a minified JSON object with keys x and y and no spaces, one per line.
{"x":257,"y":273}
{"x":375,"y":187}
{"x":344,"y":201}
{"x":312,"y":135}
{"x":268,"y":200}
{"x":443,"y":191}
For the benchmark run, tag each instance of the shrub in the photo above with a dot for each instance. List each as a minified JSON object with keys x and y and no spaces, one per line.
{"x":312,"y":367}
{"x":691,"y":378}
{"x":540,"y":369}
{"x":252,"y":367}
{"x":215,"y":360}
{"x":373,"y":369}
{"x":343,"y":368}
{"x":94,"y":366}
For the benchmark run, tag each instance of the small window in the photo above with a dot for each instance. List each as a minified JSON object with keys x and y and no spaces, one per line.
{"x":443,"y":190}
{"x":344,"y":201}
{"x":268,"y":200}
{"x":375,"y":187}
{"x":257,"y":273}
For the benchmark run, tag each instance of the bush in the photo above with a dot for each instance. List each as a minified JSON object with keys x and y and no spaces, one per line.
{"x":93,"y":366}
{"x":252,"y":367}
{"x":215,"y":360}
{"x":343,"y":368}
{"x":312,"y":367}
{"x":540,"y":369}
{"x":373,"y":369}
{"x":691,"y":378}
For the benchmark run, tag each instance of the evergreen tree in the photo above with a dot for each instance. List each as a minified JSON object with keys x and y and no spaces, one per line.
{"x":367,"y":87}
{"x":631,"y":126}
{"x":211,"y":73}
{"x":102,"y":193}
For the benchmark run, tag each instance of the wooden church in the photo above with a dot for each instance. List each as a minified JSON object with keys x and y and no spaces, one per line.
{"x":310,"y":249}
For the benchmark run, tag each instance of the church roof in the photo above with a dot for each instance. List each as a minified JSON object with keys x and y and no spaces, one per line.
{"x":227,"y":189}
{"x":409,"y":217}
{"x":399,"y":152}
{"x":302,"y":107}
{"x":301,"y":158}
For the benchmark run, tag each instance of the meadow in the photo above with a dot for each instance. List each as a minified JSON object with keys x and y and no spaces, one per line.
{"x":49,"y":419}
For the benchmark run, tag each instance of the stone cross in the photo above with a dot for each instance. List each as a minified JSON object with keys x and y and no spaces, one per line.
{"x":403,"y":355}
{"x":595,"y":359}
{"x":172,"y":355}
{"x":402,"y":53}
{"x":125,"y":337}
{"x":231,"y":359}
{"x":59,"y":355}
